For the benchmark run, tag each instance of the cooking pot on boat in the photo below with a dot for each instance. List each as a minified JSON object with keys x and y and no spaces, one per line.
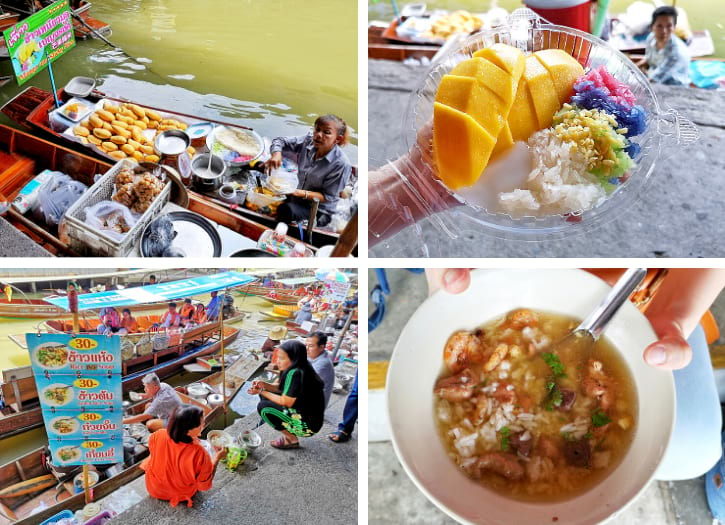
{"x":198,"y":391}
{"x":206,"y":177}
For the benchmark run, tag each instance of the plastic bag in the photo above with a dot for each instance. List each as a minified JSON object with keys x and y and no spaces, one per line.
{"x":281,"y":181}
{"x":56,"y":196}
{"x":113,"y":218}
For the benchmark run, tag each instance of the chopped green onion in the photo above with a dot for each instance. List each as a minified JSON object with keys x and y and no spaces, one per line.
{"x":600,"y":418}
{"x":557,"y":367}
{"x":505,"y":432}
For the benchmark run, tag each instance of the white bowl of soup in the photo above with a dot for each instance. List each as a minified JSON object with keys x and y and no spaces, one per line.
{"x":488,"y":492}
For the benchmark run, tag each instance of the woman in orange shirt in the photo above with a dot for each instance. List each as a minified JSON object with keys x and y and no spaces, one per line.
{"x":128,"y":322}
{"x":179,"y":466}
{"x":199,"y":316}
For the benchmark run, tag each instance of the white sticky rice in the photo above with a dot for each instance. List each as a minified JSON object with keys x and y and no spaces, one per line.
{"x":558,"y":183}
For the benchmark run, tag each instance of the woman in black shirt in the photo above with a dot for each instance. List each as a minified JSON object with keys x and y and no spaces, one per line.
{"x":295,"y":405}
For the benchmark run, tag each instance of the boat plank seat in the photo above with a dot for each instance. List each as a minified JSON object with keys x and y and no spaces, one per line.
{"x":200,"y":334}
{"x":26,"y":391}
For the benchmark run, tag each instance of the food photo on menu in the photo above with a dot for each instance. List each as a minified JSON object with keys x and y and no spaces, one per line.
{"x":545,"y":395}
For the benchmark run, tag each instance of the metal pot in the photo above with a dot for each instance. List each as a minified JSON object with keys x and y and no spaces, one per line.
{"x":197,"y":390}
{"x":207,"y":177}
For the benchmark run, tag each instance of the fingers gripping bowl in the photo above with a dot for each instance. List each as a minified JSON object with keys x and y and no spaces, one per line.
{"x":411,"y":402}
{"x":507,"y":171}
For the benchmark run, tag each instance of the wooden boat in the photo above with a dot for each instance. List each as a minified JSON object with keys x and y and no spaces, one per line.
{"x":267,"y":316}
{"x":31,"y":107}
{"x":253,"y":290}
{"x":30,"y":309}
{"x":285,"y":309}
{"x":277,"y":297}
{"x":39,"y":309}
{"x":382,"y":46}
{"x":23,"y":155}
{"x":19,"y":391}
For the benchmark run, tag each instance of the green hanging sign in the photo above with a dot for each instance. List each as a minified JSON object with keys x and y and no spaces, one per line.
{"x":41,"y":37}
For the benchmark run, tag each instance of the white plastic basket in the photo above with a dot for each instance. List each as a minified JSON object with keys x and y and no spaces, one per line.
{"x":87,"y":241}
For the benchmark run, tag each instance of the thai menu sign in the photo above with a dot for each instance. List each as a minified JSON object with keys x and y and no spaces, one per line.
{"x":43,"y":36}
{"x":80,"y":389}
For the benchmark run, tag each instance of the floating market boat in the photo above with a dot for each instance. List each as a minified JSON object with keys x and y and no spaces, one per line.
{"x":278,"y":297}
{"x":253,"y":290}
{"x":29,"y":309}
{"x":32,"y":107}
{"x":22,"y":156}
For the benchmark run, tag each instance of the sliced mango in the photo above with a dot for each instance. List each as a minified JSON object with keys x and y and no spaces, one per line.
{"x":541,"y":88}
{"x":461,"y":146}
{"x":504,"y":141}
{"x":497,"y":79}
{"x":506,"y":57}
{"x":564,"y":70}
{"x":522,"y":119}
{"x":469,"y":95}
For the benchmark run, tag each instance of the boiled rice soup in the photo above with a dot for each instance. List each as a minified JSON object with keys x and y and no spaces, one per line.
{"x":531,"y":423}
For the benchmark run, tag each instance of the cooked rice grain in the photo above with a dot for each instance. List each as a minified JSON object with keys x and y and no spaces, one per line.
{"x":558,"y":183}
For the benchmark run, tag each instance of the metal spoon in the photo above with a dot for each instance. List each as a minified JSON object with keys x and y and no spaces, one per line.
{"x":577,"y":346}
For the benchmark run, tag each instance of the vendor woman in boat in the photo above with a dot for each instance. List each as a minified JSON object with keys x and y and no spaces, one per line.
{"x":323,"y":169}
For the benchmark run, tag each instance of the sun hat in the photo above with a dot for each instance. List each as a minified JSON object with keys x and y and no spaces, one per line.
{"x":278,"y":333}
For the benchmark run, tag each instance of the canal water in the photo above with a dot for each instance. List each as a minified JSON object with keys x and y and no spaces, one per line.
{"x":274,"y":65}
{"x":700,"y":13}
{"x":254,"y":333}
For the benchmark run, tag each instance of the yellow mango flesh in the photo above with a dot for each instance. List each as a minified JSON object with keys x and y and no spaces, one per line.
{"x":506,"y":57}
{"x":541,"y":89}
{"x":504,"y":141}
{"x":461,"y":146}
{"x":496,"y":79}
{"x":522,"y":121}
{"x":564,"y":70}
{"x":471,"y":96}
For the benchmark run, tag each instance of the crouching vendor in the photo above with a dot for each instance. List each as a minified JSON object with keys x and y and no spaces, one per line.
{"x":323,"y":169}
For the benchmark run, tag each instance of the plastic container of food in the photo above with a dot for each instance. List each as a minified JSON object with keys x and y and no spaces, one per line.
{"x":75,"y":109}
{"x":666,"y":128}
{"x":261,"y":199}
